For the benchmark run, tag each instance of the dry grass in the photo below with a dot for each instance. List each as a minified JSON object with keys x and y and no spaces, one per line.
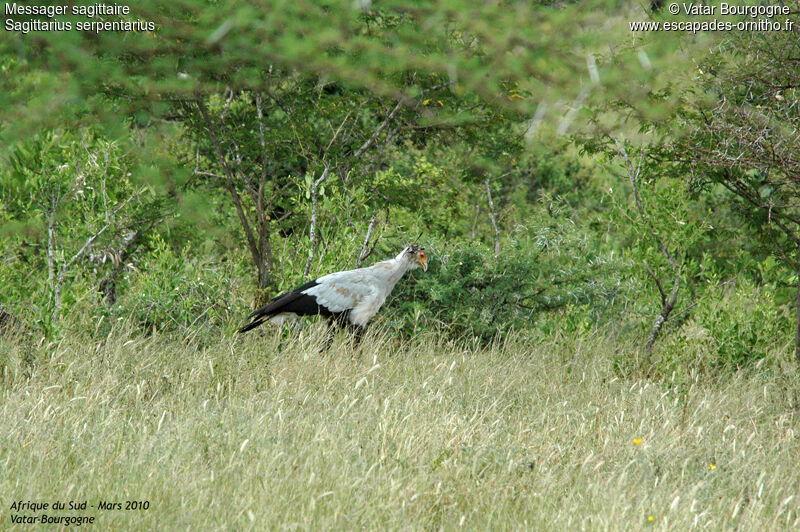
{"x":399,"y":436}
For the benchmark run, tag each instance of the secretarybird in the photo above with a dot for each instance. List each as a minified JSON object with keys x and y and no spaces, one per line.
{"x":350,"y":297}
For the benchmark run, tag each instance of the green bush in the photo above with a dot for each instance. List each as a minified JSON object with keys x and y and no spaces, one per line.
{"x":540,"y":273}
{"x":176,"y":291}
{"x":731,"y":326}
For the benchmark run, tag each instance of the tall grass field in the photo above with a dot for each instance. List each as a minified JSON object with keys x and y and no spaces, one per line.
{"x":255,"y":433}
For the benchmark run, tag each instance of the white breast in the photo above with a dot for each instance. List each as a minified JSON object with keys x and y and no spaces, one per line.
{"x":367,"y":307}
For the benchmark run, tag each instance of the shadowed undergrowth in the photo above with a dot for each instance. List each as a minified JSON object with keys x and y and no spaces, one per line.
{"x":251,"y":435}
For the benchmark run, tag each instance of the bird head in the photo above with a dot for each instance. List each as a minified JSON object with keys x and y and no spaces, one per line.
{"x":415,"y":256}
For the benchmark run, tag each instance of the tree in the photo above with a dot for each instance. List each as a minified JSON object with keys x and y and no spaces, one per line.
{"x":73,"y":196}
{"x":634,"y":170}
{"x":741,"y":130}
{"x":313,"y":131}
{"x":203,"y":48}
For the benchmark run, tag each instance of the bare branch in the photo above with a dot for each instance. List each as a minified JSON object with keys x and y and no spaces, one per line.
{"x":261,"y":137}
{"x":370,"y":141}
{"x":51,"y":240}
{"x":667,"y":303}
{"x":105,"y":174}
{"x":312,"y":231}
{"x":475,"y":221}
{"x":657,"y":281}
{"x":209,"y":174}
{"x":365,"y":246}
{"x":229,"y":182}
{"x":378,"y":131}
{"x":493,"y":219}
{"x":228,"y":100}
{"x":130,"y":243}
{"x":336,"y":134}
{"x":633,"y":175}
{"x":95,"y":236}
{"x":434,"y":89}
{"x":59,"y":281}
{"x":661,"y":319}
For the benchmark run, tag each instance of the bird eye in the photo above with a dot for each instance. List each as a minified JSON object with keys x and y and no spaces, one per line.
{"x":422,"y":254}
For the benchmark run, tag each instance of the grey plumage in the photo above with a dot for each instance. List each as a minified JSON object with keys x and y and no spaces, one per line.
{"x":352,"y":296}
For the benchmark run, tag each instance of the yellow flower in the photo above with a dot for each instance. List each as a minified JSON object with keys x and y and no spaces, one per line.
{"x":651,"y":518}
{"x":637,"y":441}
{"x":712,"y":467}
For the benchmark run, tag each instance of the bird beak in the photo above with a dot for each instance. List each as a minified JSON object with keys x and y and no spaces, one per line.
{"x":423,"y":261}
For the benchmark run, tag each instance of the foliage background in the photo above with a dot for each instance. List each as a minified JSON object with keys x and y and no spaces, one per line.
{"x":153,"y":177}
{"x":566,"y":176}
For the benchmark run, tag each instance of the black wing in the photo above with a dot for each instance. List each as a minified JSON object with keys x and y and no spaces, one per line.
{"x":295,"y":302}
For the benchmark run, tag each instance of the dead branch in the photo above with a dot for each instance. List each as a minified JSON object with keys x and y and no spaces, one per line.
{"x":378,"y":131}
{"x":312,"y":231}
{"x":130,"y":244}
{"x":229,"y":181}
{"x":667,"y":302}
{"x":493,"y":219}
{"x":657,"y":281}
{"x":365,"y":246}
{"x":63,"y":270}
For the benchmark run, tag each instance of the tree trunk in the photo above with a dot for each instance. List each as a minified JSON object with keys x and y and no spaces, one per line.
{"x":264,"y":272}
{"x":667,"y":305}
{"x":264,"y":260}
{"x":667,"y":302}
{"x":230,"y":182}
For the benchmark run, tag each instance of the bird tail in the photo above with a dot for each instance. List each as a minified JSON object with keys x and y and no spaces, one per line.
{"x":275,"y":306}
{"x":288,"y":301}
{"x":252,"y":325}
{"x":261,"y":315}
